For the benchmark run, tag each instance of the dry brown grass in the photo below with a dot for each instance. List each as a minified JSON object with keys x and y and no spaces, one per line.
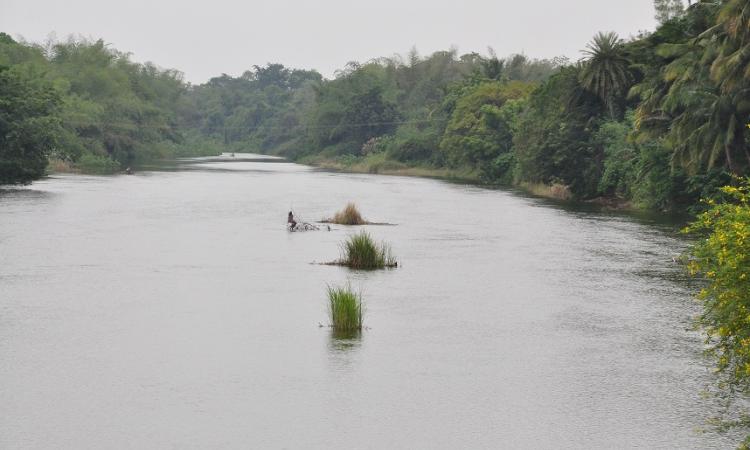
{"x":350,"y":215}
{"x":56,"y":165}
{"x":554,"y":191}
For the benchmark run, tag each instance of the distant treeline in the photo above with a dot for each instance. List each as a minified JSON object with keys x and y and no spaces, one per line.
{"x":659,"y":120}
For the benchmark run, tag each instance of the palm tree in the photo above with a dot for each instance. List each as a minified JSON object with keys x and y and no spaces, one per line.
{"x":730,"y":68}
{"x":700,"y":103}
{"x":606,"y":71}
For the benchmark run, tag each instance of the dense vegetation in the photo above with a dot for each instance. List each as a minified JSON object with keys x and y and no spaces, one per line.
{"x":659,"y":120}
{"x":82,"y":102}
{"x":722,"y":257}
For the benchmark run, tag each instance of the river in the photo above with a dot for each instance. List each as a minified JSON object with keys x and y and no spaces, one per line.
{"x":171,"y":309}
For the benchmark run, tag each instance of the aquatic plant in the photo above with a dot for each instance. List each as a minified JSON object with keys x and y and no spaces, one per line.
{"x":345,"y":308}
{"x":360,"y":251}
{"x":350,"y":215}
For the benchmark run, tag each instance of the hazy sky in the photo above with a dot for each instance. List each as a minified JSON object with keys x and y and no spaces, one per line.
{"x":205,"y":39}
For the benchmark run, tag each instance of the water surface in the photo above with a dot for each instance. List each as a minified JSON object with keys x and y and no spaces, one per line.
{"x":171,"y":309}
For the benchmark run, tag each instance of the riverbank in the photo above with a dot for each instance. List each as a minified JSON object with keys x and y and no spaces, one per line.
{"x":90,"y":164}
{"x":378,"y":164}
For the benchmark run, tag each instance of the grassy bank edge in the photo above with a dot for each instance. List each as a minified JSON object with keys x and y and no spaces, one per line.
{"x":101,"y":165}
{"x":381,"y":166}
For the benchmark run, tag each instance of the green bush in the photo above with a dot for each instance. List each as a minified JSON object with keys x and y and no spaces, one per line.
{"x":91,"y":163}
{"x":723,"y":258}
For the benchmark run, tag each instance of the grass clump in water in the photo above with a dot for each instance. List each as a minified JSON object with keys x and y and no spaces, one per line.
{"x":345,"y":308}
{"x":350,"y":215}
{"x":360,"y":251}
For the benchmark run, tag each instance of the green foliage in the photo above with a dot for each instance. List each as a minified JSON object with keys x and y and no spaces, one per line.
{"x":91,"y":163}
{"x":265,"y":109}
{"x":110,"y":112}
{"x":410,"y":143}
{"x":620,"y":159}
{"x":667,"y":10}
{"x":345,"y":308}
{"x":657,"y":185}
{"x":396,"y":106}
{"x":553,"y":139}
{"x":722,"y":256}
{"x":351,"y":110}
{"x":544,"y":123}
{"x":696,"y":102}
{"x":29,"y":123}
{"x":361,"y":252}
{"x":481,"y":126}
{"x":606,"y":72}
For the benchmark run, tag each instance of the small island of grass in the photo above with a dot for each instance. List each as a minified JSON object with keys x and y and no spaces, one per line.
{"x":350,"y":215}
{"x":361,"y":252}
{"x":345,"y":309}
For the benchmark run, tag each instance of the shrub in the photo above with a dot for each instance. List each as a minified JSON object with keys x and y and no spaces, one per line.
{"x":722,"y":256}
{"x":99,"y":164}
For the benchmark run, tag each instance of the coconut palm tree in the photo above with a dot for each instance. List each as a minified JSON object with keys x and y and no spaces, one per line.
{"x":700,"y":104}
{"x":731,"y":35}
{"x":606,"y":71}
{"x":730,"y":68}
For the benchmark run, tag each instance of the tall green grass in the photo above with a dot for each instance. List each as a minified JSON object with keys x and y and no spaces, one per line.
{"x":360,"y":251}
{"x":345,"y":308}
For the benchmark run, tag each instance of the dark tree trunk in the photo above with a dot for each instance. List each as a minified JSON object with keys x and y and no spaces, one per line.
{"x":728,"y":155}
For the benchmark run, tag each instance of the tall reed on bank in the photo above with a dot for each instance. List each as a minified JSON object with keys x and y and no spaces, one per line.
{"x":345,"y":308}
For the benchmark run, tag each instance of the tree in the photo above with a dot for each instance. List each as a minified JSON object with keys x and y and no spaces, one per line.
{"x":481,"y":127}
{"x":667,"y":10}
{"x":552,"y":143}
{"x":29,"y":125}
{"x":606,"y":71}
{"x":730,"y":69}
{"x":701,"y":110}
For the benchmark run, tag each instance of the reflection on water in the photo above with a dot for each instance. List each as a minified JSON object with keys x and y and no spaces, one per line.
{"x":345,"y":341}
{"x":8,"y":194}
{"x":172,"y":309}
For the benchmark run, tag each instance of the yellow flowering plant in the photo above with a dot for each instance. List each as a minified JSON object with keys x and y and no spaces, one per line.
{"x":722,"y":256}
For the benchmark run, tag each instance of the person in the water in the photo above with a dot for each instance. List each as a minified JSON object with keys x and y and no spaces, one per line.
{"x":290,"y":220}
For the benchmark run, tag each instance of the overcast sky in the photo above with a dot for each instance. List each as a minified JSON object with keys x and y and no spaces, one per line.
{"x":205,"y":39}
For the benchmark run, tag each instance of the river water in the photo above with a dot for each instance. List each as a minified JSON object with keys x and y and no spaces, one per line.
{"x":171,"y":309}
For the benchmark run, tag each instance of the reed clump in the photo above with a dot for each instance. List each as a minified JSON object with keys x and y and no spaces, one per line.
{"x":345,"y":309}
{"x":350,"y":215}
{"x":360,"y":251}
